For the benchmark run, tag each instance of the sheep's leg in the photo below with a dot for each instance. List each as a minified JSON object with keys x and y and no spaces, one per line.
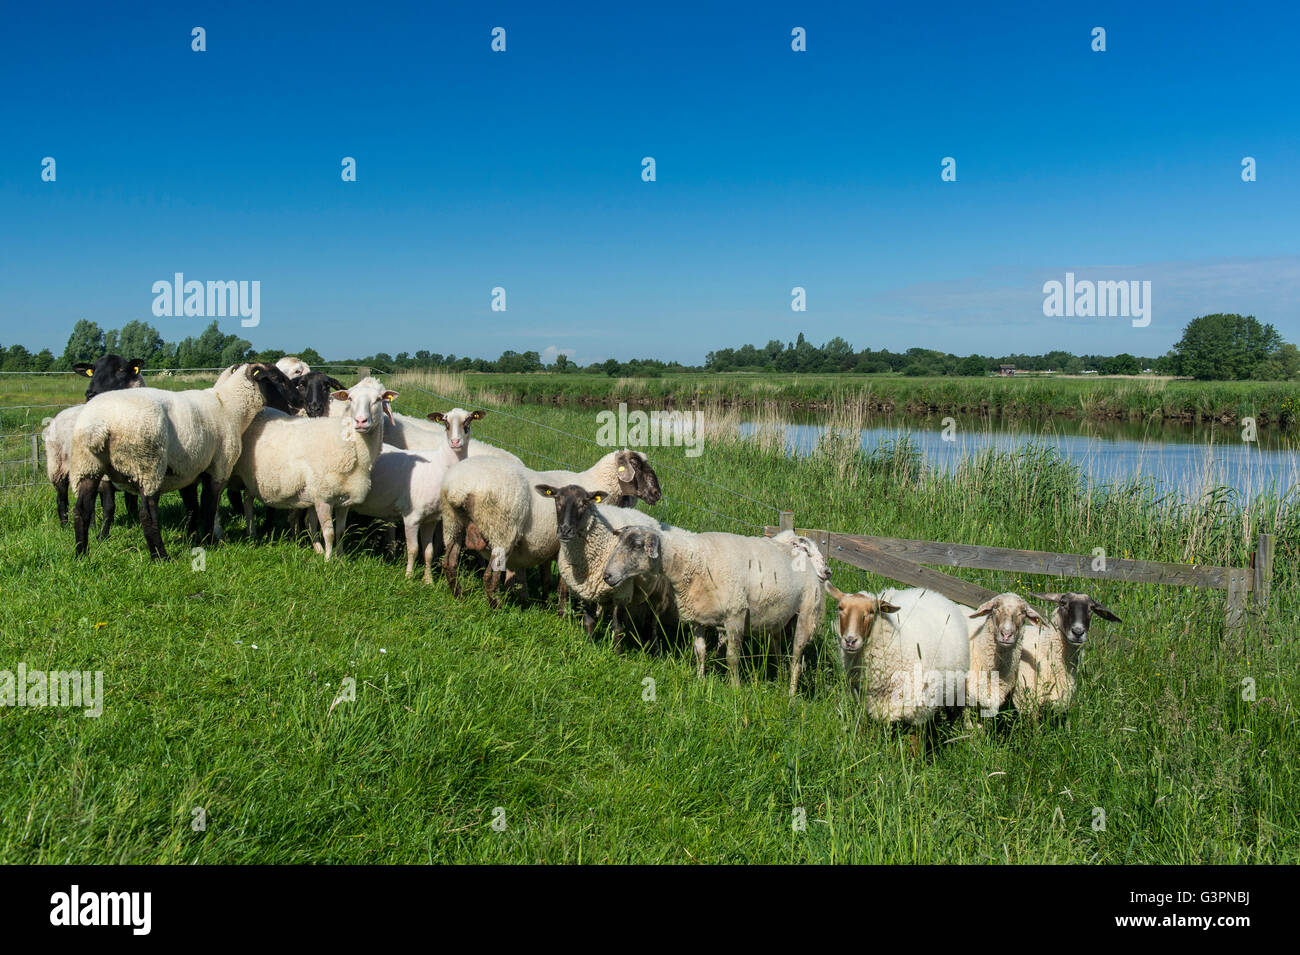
{"x":449,"y":560}
{"x":235,"y":499}
{"x":618,"y":626}
{"x":84,"y":514}
{"x":341,"y":523}
{"x":589,"y":619}
{"x":207,"y":513}
{"x":324,"y":514}
{"x":802,"y":634}
{"x":735,"y":631}
{"x":426,"y":536}
{"x":108,"y":498}
{"x":61,"y":499}
{"x":190,"y":498}
{"x":701,"y":649}
{"x":493,"y":575}
{"x":132,"y":505}
{"x":548,"y":579}
{"x":412,"y":546}
{"x":313,"y":526}
{"x":149,"y":524}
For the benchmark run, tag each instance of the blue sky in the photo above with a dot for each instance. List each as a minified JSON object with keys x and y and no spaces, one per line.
{"x":522,"y":170}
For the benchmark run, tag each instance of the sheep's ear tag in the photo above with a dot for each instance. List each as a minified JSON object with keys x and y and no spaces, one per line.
{"x":390,"y":395}
{"x":549,"y":493}
{"x":598,"y":498}
{"x":135,"y":369}
{"x":257,"y":372}
{"x":622,"y":469}
{"x":89,"y":373}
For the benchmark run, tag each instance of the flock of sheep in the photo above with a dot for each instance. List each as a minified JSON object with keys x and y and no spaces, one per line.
{"x":301,"y":441}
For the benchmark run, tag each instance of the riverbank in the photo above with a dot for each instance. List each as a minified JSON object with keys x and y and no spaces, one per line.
{"x":1271,"y":404}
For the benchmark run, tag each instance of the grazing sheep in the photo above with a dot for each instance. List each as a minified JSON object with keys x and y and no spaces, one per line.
{"x":108,"y":373}
{"x":150,"y":441}
{"x":293,"y":366}
{"x":729,"y":582}
{"x":318,"y":463}
{"x":587,"y":533}
{"x":412,"y":434}
{"x":907,"y":651}
{"x":498,"y":498}
{"x":997,"y":631}
{"x":1049,"y":659}
{"x":406,"y":486}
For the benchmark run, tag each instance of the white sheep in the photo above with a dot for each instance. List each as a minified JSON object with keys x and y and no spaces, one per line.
{"x":731,"y":583}
{"x":997,"y":632}
{"x":293,"y":366}
{"x":1049,"y":658}
{"x":148,"y":441}
{"x":412,"y":434}
{"x":516,"y":522}
{"x":906,"y":651}
{"x":406,"y":486}
{"x":315,"y":463}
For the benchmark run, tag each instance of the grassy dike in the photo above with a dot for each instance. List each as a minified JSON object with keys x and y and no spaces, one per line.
{"x":1027,"y":398}
{"x":219,"y":684}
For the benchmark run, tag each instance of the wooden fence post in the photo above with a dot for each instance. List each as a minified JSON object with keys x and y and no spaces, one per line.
{"x":1235,"y":609}
{"x":786,"y":522}
{"x":1263,"y":564}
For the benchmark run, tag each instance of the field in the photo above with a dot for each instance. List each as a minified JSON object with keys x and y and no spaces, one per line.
{"x":221,"y":682}
{"x":1027,"y":398}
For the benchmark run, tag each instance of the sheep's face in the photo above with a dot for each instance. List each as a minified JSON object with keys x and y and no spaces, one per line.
{"x":636,"y":552}
{"x":572,"y":505}
{"x":1007,"y":615}
{"x":636,"y":478}
{"x":314,"y":390}
{"x":857,"y":615}
{"x":277,"y":389}
{"x":110,"y":373}
{"x":294,"y":368}
{"x":367,"y":406}
{"x":1074,"y":614}
{"x":458,"y":422}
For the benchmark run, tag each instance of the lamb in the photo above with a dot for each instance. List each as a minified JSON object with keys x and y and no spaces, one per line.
{"x":108,"y":373}
{"x":997,"y":631}
{"x":498,"y":498}
{"x":293,"y":366}
{"x":911,"y":649}
{"x":586,"y":531}
{"x":412,"y":434}
{"x":150,"y":441}
{"x":1049,"y":660}
{"x":319,"y":463}
{"x":406,"y":486}
{"x":730,"y":582}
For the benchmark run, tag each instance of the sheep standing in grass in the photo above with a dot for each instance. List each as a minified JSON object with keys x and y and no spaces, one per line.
{"x":906,"y":651}
{"x":412,"y":434}
{"x":997,"y":631}
{"x":406,"y":486}
{"x":315,"y":463}
{"x":515,"y":521}
{"x":1049,"y":659}
{"x":729,"y":582}
{"x":108,"y":373}
{"x":587,"y":533}
{"x":150,"y":441}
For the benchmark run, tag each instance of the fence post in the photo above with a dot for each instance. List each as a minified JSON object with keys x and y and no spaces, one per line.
{"x":1236,"y":606}
{"x":36,"y":457}
{"x":786,"y":522}
{"x":1263,"y":564}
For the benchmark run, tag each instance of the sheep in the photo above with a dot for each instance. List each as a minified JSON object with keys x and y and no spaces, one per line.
{"x":314,"y":390}
{"x":729,"y":582}
{"x":1049,"y":659}
{"x":412,"y":434}
{"x":293,"y":366}
{"x":149,"y":441}
{"x":997,"y":631}
{"x":911,"y":649}
{"x":318,"y":463}
{"x":498,"y":498}
{"x":108,"y":373}
{"x":406,"y":486}
{"x":586,"y":531}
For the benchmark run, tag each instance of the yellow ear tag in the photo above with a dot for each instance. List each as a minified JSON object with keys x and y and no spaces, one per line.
{"x":598,"y":498}
{"x":89,"y":373}
{"x":622,"y":468}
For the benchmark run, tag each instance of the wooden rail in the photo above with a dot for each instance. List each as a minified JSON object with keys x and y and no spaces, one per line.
{"x":904,"y":560}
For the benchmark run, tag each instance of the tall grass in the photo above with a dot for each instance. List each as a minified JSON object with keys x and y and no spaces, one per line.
{"x":220,"y":684}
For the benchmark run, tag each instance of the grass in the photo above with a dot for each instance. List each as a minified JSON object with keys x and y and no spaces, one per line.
{"x":1025,"y":398}
{"x":220,"y":685}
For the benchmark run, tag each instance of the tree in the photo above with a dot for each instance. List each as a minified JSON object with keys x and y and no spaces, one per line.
{"x":311,"y":356}
{"x":1223,"y":346}
{"x":86,"y":343}
{"x":138,"y":340}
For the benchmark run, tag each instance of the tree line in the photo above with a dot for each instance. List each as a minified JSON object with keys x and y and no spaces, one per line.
{"x":1212,"y":347}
